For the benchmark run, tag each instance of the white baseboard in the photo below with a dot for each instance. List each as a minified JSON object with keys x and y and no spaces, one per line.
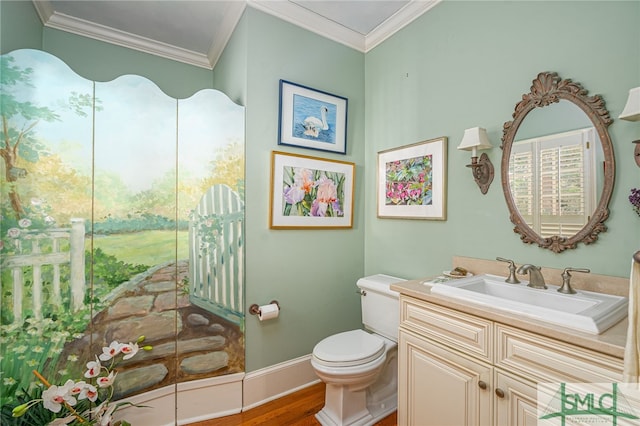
{"x":203,"y":400}
{"x":195,"y":401}
{"x":215,"y":397}
{"x":273,"y":382}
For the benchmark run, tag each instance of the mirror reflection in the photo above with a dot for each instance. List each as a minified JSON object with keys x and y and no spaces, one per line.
{"x":552,"y":169}
{"x":557,"y":166}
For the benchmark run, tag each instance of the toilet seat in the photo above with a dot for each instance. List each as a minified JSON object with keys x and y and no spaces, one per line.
{"x":350,"y":348}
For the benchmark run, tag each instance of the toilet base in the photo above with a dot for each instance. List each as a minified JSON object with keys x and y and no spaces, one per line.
{"x":367,"y":417}
{"x":345,"y":406}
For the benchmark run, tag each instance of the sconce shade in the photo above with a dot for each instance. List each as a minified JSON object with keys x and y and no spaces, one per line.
{"x":631,"y":110}
{"x":475,"y":138}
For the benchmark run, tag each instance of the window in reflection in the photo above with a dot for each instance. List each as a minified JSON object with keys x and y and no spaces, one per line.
{"x":552,"y":181}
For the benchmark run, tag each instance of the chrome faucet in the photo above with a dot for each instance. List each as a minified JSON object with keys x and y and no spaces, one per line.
{"x":536,"y":280}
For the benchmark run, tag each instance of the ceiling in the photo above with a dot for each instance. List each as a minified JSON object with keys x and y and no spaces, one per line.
{"x":196,"y":31}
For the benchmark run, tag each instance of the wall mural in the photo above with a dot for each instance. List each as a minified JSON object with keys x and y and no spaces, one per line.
{"x":122,"y":213}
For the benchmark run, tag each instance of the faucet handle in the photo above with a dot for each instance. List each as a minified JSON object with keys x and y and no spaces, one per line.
{"x":566,"y":279}
{"x":512,"y":279}
{"x":567,"y":270}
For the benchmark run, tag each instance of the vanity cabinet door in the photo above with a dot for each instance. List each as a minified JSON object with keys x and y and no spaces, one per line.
{"x":439,"y":387}
{"x":515,"y":401}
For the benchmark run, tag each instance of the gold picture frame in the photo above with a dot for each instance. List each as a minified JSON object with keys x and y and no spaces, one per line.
{"x":310,"y":192}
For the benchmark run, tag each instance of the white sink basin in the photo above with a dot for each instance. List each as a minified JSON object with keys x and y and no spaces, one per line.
{"x":585,"y":311}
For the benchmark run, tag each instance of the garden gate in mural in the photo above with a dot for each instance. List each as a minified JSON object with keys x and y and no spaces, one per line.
{"x":216,"y":253}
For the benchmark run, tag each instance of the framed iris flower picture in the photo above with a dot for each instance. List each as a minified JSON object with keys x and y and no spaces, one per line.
{"x":312,"y":119}
{"x":412,"y":181}
{"x":309,"y":192}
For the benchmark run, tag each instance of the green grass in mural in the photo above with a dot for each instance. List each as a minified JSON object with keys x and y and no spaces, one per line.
{"x":145,"y":247}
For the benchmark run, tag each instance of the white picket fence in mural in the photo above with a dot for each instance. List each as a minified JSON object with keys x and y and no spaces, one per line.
{"x":216,"y":257}
{"x":31,"y":255}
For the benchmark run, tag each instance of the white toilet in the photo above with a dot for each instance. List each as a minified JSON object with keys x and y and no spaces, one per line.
{"x":360,"y":367}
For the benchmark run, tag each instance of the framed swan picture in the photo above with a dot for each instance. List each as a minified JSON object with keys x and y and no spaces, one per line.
{"x":312,"y":119}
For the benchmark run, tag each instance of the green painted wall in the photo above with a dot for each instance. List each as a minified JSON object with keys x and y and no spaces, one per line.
{"x":466,"y":64}
{"x":312,"y":273}
{"x":101,"y":61}
{"x":230,"y":73}
{"x":21,"y":27}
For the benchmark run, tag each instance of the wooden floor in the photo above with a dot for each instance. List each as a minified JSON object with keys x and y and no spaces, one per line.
{"x":296,"y":409}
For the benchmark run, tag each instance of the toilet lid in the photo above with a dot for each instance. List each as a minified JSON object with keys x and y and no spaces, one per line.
{"x":349,"y":348}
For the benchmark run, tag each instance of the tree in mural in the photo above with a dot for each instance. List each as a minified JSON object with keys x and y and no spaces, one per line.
{"x":227,"y":168}
{"x":20,"y":144}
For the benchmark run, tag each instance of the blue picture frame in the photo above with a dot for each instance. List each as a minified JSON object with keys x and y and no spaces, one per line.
{"x":312,"y":118}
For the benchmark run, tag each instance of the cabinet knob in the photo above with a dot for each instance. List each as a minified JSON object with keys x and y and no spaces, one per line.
{"x":499,"y":393}
{"x":482,"y":385}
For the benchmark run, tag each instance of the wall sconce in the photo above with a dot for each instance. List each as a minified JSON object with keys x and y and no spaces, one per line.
{"x":473,"y":140}
{"x":631,"y":112}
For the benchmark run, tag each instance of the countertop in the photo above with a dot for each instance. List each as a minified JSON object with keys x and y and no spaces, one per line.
{"x":611,"y":342}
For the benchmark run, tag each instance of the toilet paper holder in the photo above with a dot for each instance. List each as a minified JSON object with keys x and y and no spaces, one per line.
{"x":255,"y":308}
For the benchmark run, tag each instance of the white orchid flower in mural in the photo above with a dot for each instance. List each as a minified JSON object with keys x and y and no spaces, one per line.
{"x":85,"y":391}
{"x":106,"y":381}
{"x":55,"y":396}
{"x":77,"y":387}
{"x":89,"y":392}
{"x":110,"y":351}
{"x":129,"y":350}
{"x":93,"y":368}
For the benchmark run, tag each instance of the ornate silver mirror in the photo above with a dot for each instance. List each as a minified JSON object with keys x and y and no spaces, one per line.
{"x":558,"y":167}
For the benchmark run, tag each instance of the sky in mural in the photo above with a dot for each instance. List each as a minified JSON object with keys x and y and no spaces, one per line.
{"x":120,"y":139}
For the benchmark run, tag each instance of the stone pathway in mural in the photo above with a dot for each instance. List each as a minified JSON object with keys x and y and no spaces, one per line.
{"x":150,"y":305}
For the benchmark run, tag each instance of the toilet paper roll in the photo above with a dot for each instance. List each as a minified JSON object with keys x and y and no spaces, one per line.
{"x":268,"y":312}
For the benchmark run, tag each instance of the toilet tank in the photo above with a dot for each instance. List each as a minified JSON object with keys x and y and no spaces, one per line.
{"x":380,"y":305}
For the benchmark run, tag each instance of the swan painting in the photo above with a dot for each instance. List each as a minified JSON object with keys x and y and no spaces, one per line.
{"x":311,"y":119}
{"x":313,"y":125}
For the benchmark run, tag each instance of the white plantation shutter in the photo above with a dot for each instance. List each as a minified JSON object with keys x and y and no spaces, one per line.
{"x":549,"y":179}
{"x":522,"y":182}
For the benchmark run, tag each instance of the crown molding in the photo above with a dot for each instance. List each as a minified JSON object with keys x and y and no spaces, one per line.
{"x":285,"y":10}
{"x":43,"y":9}
{"x":60,"y":21}
{"x":304,"y":18}
{"x":224,"y":33}
{"x":320,"y":25}
{"x":403,"y":17}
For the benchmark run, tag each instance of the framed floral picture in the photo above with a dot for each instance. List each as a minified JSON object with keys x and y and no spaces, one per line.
{"x":312,"y":119}
{"x":309,"y":192}
{"x":412,"y":181}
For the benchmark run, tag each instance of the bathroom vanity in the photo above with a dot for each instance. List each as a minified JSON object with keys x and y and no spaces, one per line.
{"x":467,"y":364}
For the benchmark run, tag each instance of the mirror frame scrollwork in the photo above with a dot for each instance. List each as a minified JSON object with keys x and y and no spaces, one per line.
{"x":549,"y":88}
